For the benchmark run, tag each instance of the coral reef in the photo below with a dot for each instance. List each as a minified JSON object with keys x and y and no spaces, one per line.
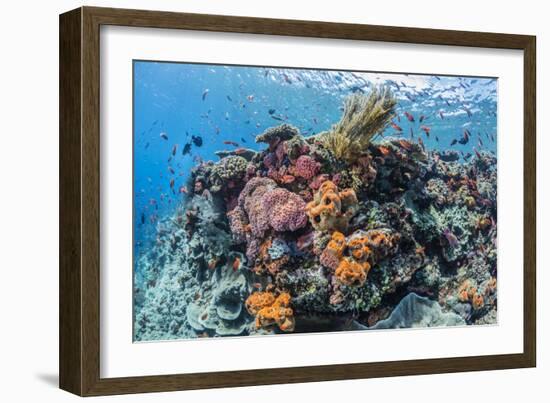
{"x":320,"y":231}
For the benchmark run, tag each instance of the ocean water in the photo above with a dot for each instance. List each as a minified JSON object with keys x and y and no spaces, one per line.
{"x":184,"y":113}
{"x":168,"y":98}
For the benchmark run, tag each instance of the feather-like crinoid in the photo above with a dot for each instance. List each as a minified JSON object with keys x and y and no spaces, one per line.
{"x":365,"y":116}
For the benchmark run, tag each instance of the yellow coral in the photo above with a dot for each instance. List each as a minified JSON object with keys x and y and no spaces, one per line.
{"x":364,"y":117}
{"x":271,"y":311}
{"x":331,"y":209}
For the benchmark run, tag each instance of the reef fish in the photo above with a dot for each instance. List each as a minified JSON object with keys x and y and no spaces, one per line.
{"x":164,"y":135}
{"x":465,"y":137}
{"x":174,"y":149}
{"x":197,"y":140}
{"x":186,"y":149}
{"x":409,"y":117}
{"x":396,"y":127}
{"x":205,"y":93}
{"x":231,"y":143}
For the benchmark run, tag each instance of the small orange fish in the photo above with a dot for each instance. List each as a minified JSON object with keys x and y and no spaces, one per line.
{"x":396,"y":127}
{"x":183,"y":189}
{"x":384,"y":150}
{"x":231,"y":143}
{"x":240,"y":151}
{"x":212,"y":264}
{"x":236,"y":264}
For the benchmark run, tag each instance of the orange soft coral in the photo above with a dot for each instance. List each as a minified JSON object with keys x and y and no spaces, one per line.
{"x":331,"y":209}
{"x":359,"y":248}
{"x":351,"y":258}
{"x":270,"y":311}
{"x":337,"y":244}
{"x":352,"y":273}
{"x":259,"y":300}
{"x":469,"y":292}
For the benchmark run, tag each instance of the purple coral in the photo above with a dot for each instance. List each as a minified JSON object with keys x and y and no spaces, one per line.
{"x":306,"y":167}
{"x":286,"y":210}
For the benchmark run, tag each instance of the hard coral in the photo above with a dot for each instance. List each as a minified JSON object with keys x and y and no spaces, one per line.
{"x":270,"y":311}
{"x":331,"y":209}
{"x":274,"y":135}
{"x":267,"y":206}
{"x":306,"y":167}
{"x":284,"y":209}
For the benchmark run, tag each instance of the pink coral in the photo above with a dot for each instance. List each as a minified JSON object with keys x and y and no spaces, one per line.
{"x":306,"y":167}
{"x":263,"y":206}
{"x":318,"y":181}
{"x":238,"y":224}
{"x":250,"y":200}
{"x":286,"y":210}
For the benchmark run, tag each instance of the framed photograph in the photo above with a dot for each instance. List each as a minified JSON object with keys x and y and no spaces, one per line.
{"x":249,"y":201}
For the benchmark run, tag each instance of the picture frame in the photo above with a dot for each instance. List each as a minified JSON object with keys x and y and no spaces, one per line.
{"x":80,"y":154}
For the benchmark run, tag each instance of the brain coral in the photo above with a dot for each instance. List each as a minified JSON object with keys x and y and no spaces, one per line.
{"x":331,"y":209}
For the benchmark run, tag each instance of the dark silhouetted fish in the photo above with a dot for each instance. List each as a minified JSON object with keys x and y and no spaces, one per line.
{"x":164,"y":135}
{"x":205,"y":93}
{"x":454,"y":142}
{"x":197,"y":140}
{"x":271,"y":111}
{"x":276,"y":117}
{"x":229,"y":98}
{"x":186,"y":149}
{"x":142,"y":218}
{"x":174,"y":149}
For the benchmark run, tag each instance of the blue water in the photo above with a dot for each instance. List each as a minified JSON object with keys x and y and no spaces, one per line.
{"x":175,"y":101}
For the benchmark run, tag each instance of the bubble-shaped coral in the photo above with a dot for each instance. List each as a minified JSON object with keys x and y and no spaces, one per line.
{"x":331,"y":209}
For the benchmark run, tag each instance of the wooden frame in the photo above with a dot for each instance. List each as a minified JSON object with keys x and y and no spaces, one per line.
{"x":79,"y":200}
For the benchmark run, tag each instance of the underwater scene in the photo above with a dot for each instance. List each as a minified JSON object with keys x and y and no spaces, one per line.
{"x":275,"y":200}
